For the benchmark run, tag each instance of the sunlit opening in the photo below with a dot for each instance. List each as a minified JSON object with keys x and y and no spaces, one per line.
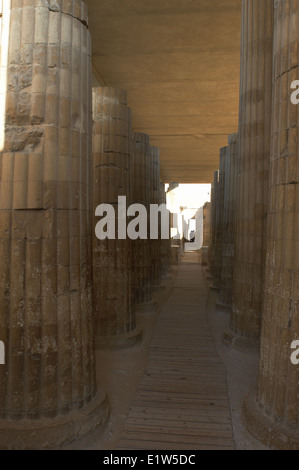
{"x":186,"y":203}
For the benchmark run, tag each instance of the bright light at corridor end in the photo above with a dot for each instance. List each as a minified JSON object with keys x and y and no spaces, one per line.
{"x":192,"y":195}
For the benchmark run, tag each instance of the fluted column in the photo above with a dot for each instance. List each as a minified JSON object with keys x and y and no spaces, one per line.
{"x":273,"y":411}
{"x":165,"y":245}
{"x":140,"y":172}
{"x":254,"y":154}
{"x":214,"y":230}
{"x":154,"y":199}
{"x":228,"y":225}
{"x":206,"y":224}
{"x":218,"y":188}
{"x":47,"y":385}
{"x":220,"y":215}
{"x":114,"y":304}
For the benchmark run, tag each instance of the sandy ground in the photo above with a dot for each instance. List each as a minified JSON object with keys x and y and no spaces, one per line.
{"x":241,"y":373}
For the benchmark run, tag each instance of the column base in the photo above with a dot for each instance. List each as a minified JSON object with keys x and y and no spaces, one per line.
{"x":146,"y":307}
{"x":273,"y":435}
{"x":119,"y":342}
{"x":73,"y":431}
{"x":240,"y":343}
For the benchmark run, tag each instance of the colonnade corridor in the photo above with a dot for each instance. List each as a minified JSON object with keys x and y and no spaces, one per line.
{"x":149,"y":225}
{"x":181,"y":401}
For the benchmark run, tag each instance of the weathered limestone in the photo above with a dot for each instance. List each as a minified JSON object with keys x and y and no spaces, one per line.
{"x":220,"y":215}
{"x":272,"y":413}
{"x":212,"y":246}
{"x":206,"y":224}
{"x":114,"y":304}
{"x":154,"y":199}
{"x":212,"y":232}
{"x":254,"y":152}
{"x":215,"y":250}
{"x":140,"y":177}
{"x":165,"y":245}
{"x":206,"y":229}
{"x":48,"y":395}
{"x":228,"y":223}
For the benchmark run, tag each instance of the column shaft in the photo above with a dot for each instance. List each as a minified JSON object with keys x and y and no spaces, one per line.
{"x":114,"y":304}
{"x":254,"y":152}
{"x":206,"y":224}
{"x":273,"y":413}
{"x":228,"y":225}
{"x":45,"y":231}
{"x":141,"y":164}
{"x":165,"y":245}
{"x":154,"y":199}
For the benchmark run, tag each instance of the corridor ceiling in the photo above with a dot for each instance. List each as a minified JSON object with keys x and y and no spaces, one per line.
{"x":179,"y":61}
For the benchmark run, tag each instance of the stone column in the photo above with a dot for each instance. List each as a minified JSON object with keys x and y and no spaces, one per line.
{"x":165,"y":245}
{"x":214,"y":230}
{"x":140,"y":172}
{"x":48,"y":395}
{"x":228,"y":225}
{"x":217,"y":222}
{"x":206,"y":224}
{"x":206,"y":229}
{"x":154,"y":199}
{"x":220,"y":215}
{"x":273,"y":411}
{"x":114,"y":304}
{"x":254,"y":154}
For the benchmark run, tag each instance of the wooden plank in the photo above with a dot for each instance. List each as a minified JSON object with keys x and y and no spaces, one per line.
{"x":182,"y":401}
{"x":189,"y":415}
{"x":168,"y":422}
{"x":179,"y":431}
{"x":178,"y":439}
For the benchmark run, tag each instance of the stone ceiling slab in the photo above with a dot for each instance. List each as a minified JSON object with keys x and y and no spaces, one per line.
{"x":179,"y":62}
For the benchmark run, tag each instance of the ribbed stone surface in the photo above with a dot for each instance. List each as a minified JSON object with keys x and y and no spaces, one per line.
{"x":214,"y":261}
{"x":114,"y":304}
{"x":206,"y":224}
{"x":273,"y":416}
{"x":45,"y":224}
{"x":165,"y":245}
{"x":228,"y":222}
{"x":140,"y":172}
{"x":154,"y":199}
{"x":217,"y":218}
{"x":254,"y":154}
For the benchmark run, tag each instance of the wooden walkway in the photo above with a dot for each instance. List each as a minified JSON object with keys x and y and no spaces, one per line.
{"x":181,"y":402}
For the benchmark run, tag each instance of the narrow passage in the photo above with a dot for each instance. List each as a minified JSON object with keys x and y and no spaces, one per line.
{"x":181,"y":402}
